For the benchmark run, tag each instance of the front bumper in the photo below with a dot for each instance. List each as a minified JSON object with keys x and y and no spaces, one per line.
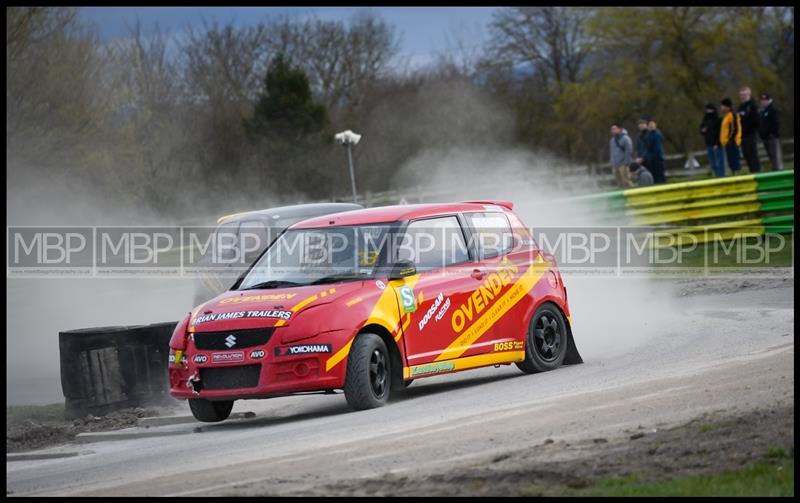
{"x":259,"y":370}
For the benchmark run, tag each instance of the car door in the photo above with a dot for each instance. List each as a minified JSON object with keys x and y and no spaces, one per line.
{"x":438,"y":248}
{"x":502,"y":264}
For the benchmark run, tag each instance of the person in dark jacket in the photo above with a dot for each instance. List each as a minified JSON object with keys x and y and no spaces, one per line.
{"x":640,"y":176}
{"x":748,"y":111}
{"x":709,"y":128}
{"x":654,"y":159}
{"x":641,"y":141}
{"x":769,"y":130}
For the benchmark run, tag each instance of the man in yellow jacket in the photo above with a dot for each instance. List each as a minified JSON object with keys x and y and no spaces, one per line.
{"x":730,"y":134}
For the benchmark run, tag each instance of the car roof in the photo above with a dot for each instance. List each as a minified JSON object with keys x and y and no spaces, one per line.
{"x":386,"y":214}
{"x":293,"y":211}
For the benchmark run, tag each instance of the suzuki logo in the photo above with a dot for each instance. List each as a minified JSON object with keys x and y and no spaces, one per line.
{"x":230,"y":341}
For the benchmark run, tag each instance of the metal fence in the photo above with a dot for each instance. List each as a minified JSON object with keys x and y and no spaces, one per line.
{"x":564,"y":178}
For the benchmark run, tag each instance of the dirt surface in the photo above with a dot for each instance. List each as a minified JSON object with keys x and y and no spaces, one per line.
{"x":713,"y":443}
{"x":724,"y":285}
{"x":24,"y":434}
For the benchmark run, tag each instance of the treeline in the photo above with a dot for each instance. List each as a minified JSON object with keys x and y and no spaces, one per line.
{"x":222,"y":113}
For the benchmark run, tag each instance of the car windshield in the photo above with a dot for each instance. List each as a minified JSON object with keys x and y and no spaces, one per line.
{"x":315,"y":256}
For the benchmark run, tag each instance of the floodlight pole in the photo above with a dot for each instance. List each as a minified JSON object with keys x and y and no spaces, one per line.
{"x":352,"y":172}
{"x":350,"y":138}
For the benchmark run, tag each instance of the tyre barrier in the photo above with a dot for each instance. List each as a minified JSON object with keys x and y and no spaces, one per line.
{"x":109,"y":368}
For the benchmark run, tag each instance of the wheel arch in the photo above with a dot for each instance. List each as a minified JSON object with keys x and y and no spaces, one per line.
{"x":572,"y":357}
{"x":395,"y":356}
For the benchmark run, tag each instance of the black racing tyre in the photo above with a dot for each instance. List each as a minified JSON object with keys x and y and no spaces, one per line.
{"x":366,"y":385}
{"x":210,"y":412}
{"x":546,"y":341}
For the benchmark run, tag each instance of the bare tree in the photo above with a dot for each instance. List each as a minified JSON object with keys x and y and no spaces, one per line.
{"x":463,"y":53}
{"x":341,"y":59}
{"x":225,"y":63}
{"x":54,"y":74}
{"x":551,"y":39}
{"x":34,"y":25}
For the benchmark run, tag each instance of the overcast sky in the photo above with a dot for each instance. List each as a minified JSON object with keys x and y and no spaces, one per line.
{"x":423,"y":30}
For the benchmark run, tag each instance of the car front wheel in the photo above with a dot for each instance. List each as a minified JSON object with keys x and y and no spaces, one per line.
{"x":368,"y":373}
{"x":210,"y":412}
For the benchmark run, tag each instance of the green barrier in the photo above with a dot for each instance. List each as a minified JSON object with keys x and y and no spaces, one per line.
{"x":763,"y":202}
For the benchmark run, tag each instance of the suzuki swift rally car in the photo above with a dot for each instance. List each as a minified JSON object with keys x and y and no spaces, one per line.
{"x":366,"y":301}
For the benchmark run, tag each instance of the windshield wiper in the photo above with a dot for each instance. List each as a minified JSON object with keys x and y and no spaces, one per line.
{"x":271,"y":284}
{"x":338,"y":277}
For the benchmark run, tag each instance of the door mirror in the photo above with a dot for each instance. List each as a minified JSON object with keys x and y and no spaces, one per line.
{"x":402,"y":269}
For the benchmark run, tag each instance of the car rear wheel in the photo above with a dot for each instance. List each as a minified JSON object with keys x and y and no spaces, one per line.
{"x":368,"y":377}
{"x":546,"y":342}
{"x":210,"y":412}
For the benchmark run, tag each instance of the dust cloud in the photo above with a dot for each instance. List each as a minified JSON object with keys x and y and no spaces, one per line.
{"x":611,"y":315}
{"x":39,"y":308}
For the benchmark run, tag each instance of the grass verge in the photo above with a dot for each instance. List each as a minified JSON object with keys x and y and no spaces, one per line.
{"x":774,"y":476}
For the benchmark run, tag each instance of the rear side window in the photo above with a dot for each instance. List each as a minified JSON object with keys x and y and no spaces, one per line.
{"x":492,"y":233}
{"x":434,"y":243}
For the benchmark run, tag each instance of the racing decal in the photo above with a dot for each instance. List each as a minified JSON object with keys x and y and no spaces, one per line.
{"x":497,"y":309}
{"x":227,"y":357}
{"x":384,"y":313}
{"x":431,"y":311}
{"x":258,"y":298}
{"x":432,"y":368}
{"x":303,"y":349}
{"x":257,"y":353}
{"x":178,"y":359}
{"x":398,"y":332}
{"x":380,"y":284}
{"x":353,"y":302}
{"x":269,"y":313}
{"x":200,"y":358}
{"x":443,"y":310}
{"x":483,"y":296}
{"x":464,"y":363}
{"x":303,"y":303}
{"x":507,"y":346}
{"x":407,"y":301}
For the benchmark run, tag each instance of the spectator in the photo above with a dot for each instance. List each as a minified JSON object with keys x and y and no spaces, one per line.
{"x":639,"y":175}
{"x":748,"y":111}
{"x":641,"y":141}
{"x":709,"y":128}
{"x":769,"y":131}
{"x":730,"y":134}
{"x":654,"y":160}
{"x":621,"y":149}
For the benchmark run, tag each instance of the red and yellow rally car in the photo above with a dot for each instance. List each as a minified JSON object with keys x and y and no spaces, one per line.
{"x":368,"y":300}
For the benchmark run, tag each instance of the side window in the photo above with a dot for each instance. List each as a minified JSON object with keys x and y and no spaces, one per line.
{"x":493,"y":234}
{"x":434,"y":243}
{"x":253,"y":239}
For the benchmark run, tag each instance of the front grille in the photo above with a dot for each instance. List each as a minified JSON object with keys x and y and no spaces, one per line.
{"x":230,"y":377}
{"x":243,"y":338}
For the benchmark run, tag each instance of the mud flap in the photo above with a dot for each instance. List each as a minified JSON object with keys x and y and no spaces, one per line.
{"x":572,"y":357}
